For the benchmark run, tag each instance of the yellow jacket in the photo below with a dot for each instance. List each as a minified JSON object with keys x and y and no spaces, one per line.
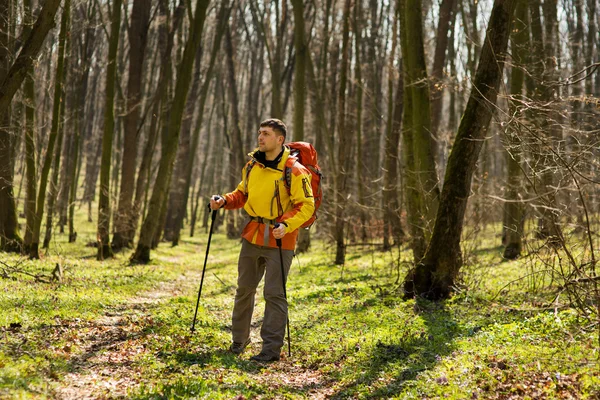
{"x":264,"y":194}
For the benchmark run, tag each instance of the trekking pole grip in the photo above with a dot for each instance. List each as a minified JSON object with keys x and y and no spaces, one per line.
{"x":215,"y":198}
{"x":278,"y":241}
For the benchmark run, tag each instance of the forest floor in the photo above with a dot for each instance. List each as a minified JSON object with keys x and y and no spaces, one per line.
{"x":111,"y":330}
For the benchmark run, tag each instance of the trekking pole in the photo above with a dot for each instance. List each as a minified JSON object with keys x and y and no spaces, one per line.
{"x":278,"y":241}
{"x":212,"y":223}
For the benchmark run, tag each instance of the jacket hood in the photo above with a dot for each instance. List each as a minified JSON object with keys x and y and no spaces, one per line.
{"x":259,"y":157}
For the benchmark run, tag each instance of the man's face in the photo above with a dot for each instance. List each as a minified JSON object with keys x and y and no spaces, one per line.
{"x":268,"y":139}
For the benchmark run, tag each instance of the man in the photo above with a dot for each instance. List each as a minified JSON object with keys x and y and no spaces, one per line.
{"x":265,"y":197}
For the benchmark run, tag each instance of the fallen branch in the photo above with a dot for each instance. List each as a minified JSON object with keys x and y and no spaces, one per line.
{"x":582,"y":280}
{"x":8,"y":271}
{"x":220,"y":280}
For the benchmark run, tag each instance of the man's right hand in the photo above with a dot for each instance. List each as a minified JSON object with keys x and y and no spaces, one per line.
{"x":216,"y":202}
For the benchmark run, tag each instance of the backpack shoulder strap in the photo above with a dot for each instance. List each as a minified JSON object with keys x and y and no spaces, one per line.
{"x":249,"y":166}
{"x":287,"y":172}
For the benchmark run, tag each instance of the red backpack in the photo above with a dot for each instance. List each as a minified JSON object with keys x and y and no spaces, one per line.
{"x":305,"y":154}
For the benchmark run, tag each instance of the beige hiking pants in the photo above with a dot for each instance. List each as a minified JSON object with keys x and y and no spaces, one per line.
{"x":254,"y":262}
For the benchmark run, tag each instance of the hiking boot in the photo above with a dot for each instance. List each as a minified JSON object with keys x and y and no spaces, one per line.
{"x":262,"y":357}
{"x":238,"y":348}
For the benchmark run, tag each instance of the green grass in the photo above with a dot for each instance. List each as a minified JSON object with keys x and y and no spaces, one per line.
{"x":352,"y":334}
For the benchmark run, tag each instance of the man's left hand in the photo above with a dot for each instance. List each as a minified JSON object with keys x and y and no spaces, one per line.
{"x":279,"y":232}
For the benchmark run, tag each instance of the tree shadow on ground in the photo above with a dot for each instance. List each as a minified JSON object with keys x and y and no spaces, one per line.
{"x":337,"y":288}
{"x":222,"y":357}
{"x":108,"y":334}
{"x":495,"y":249}
{"x":398,"y":363}
{"x":269,"y":380}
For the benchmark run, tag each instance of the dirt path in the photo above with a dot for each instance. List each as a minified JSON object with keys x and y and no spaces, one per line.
{"x":302,"y":379}
{"x":105,"y":368}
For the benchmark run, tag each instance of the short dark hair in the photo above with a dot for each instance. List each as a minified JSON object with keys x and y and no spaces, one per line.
{"x":276,"y":124}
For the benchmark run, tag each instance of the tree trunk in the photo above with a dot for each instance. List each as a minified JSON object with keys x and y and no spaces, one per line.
{"x":589,"y":60}
{"x":10,"y":240}
{"x":117,"y":145}
{"x":87,"y":50}
{"x":54,"y":131}
{"x":53,"y":189}
{"x":255,"y":101}
{"x":54,"y":192}
{"x":93,"y":146}
{"x":44,"y":113}
{"x":9,"y":229}
{"x":435,"y":276}
{"x":317,"y":80}
{"x":447,"y":137}
{"x":160,"y":101}
{"x":64,"y":187}
{"x":418,"y":242}
{"x":468,"y":41}
{"x":577,"y":117}
{"x":545,"y":70}
{"x":513,"y":209}
{"x":437,"y":85}
{"x":164,"y":136}
{"x":323,"y":127}
{"x":373,"y":120}
{"x":91,"y":177}
{"x":161,"y":221}
{"x":423,"y":145}
{"x":331,"y":83}
{"x":361,"y":174}
{"x":30,"y":163}
{"x":421,"y":180}
{"x":142,"y":182}
{"x":236,"y":152}
{"x":75,"y":60}
{"x":210,"y":151}
{"x":452,"y":120}
{"x":74,"y":180}
{"x":474,"y":34}
{"x":104,"y":203}
{"x":276,"y":81}
{"x":184,"y":166}
{"x":138,"y":37}
{"x":299,"y":68}
{"x":300,"y":95}
{"x":173,"y":225}
{"x":343,"y":143}
{"x":252,"y":117}
{"x":169,"y":150}
{"x":288,"y":73}
{"x":11,"y":80}
{"x":274,"y":49}
{"x":391,"y":220}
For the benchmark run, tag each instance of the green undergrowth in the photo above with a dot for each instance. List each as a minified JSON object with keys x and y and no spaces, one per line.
{"x":352,"y":333}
